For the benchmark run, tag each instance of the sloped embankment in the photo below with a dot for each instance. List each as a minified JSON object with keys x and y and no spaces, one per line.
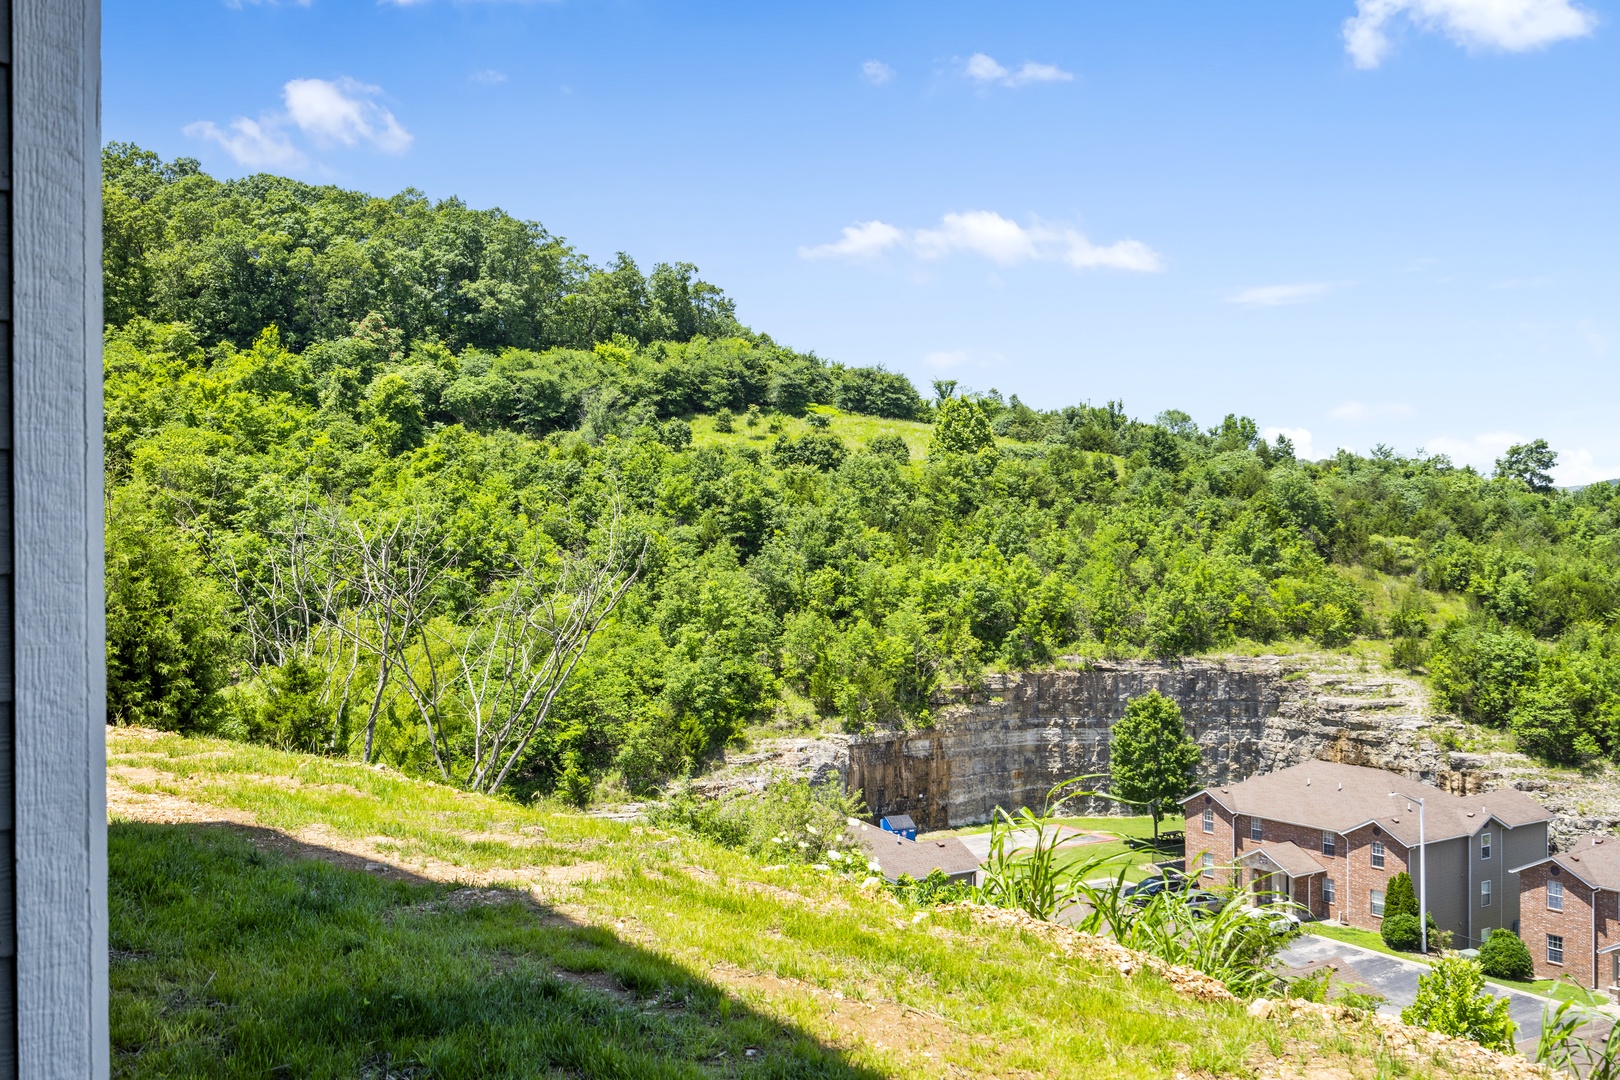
{"x":339,"y":920}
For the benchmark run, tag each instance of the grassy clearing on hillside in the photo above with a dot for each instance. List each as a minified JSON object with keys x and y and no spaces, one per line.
{"x":626,"y":952}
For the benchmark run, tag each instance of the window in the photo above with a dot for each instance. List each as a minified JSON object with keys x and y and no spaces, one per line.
{"x":1256,"y":828}
{"x":1209,"y":819}
{"x":1208,"y":865}
{"x":1485,"y":893}
{"x":1555,"y":948}
{"x":1327,"y":891}
{"x":1484,"y":845}
{"x":1555,"y":896}
{"x":1377,"y":902}
{"x":1378,"y":855}
{"x":1327,"y":843}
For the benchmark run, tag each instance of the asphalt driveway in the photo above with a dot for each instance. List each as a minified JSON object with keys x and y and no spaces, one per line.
{"x":1397,"y":979}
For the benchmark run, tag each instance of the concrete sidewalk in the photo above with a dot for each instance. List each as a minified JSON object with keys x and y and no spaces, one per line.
{"x":1397,"y":979}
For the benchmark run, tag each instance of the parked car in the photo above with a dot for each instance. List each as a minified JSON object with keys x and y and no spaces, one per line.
{"x":1143,"y":891}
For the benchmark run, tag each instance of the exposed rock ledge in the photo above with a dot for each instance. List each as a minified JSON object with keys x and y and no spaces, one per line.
{"x":1011,"y":740}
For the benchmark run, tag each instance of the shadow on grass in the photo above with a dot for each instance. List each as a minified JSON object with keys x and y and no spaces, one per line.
{"x":239,"y":952}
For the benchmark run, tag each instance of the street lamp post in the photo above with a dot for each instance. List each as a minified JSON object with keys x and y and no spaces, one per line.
{"x":1423,"y":875}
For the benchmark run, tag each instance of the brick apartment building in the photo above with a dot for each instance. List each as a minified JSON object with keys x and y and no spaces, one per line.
{"x":1330,"y":837}
{"x":1570,"y":912}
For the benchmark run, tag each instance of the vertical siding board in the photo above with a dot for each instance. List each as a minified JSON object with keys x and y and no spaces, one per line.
{"x":57,"y":651}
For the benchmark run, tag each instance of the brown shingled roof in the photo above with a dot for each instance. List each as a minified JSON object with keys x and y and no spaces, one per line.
{"x":1338,"y":798}
{"x":1287,"y":856}
{"x":918,"y":858}
{"x":1593,"y":859}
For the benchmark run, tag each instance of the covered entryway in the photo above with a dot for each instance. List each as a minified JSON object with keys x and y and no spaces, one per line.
{"x":1284,"y":874}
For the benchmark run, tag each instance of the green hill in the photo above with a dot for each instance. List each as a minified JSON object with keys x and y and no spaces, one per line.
{"x":357,"y":446}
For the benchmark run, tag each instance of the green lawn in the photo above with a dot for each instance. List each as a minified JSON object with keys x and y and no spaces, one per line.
{"x":1120,"y":853}
{"x":612,"y":950}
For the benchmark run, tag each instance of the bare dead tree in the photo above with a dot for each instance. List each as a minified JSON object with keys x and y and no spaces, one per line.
{"x":518,"y":655}
{"x":400,"y":570}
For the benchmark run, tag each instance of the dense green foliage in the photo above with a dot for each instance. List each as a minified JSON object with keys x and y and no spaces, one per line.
{"x":1152,"y":760}
{"x":1452,"y":1000}
{"x":1401,"y":932}
{"x":278,"y":351}
{"x":1505,"y":956}
{"x":1400,"y":897}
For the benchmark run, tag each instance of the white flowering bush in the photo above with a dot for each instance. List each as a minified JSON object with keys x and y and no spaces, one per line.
{"x":791,"y":821}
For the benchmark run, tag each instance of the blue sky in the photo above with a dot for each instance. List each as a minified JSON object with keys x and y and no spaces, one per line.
{"x":1360,"y":221}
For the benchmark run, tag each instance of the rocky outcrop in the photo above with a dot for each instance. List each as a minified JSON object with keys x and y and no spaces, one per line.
{"x":1011,"y":740}
{"x":1022,"y":733}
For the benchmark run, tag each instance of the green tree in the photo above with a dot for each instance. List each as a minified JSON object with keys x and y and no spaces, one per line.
{"x":1400,"y":898}
{"x":961,"y":427}
{"x":1505,"y":956}
{"x":1452,"y":1000}
{"x":1151,"y":758}
{"x":168,"y":648}
{"x":1545,"y":726}
{"x":1528,"y":463}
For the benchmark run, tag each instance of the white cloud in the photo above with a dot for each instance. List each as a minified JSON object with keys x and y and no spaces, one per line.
{"x":876,"y":72}
{"x":862,"y":240}
{"x":985,"y":70}
{"x":343,"y":111}
{"x":983,"y":232}
{"x":1509,"y":25}
{"x":256,"y":144}
{"x":1357,"y":411}
{"x":946,"y":360}
{"x":1481,"y":451}
{"x":1577,"y":469}
{"x":487,"y":77}
{"x":1279,"y":295}
{"x":999,"y":239}
{"x":1300,"y":437}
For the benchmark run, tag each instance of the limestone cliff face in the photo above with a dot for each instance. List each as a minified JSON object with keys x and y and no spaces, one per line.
{"x":1020,"y":734}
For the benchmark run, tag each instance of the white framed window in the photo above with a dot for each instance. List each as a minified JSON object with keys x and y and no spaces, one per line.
{"x":1555,"y":948}
{"x":1485,"y":893}
{"x":1555,"y":896}
{"x":1328,"y":842}
{"x":1327,"y":891}
{"x":1377,"y":899}
{"x":1209,"y":819}
{"x":1378,"y":856}
{"x":1207,"y":865}
{"x":1256,"y":828}
{"x":1485,"y":845}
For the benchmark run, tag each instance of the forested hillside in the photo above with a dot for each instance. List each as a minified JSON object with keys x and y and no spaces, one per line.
{"x":376,"y":466}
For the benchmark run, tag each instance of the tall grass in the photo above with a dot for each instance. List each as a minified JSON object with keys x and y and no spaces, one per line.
{"x":1236,"y":944}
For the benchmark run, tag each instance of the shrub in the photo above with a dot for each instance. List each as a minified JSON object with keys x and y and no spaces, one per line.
{"x":889,"y":446}
{"x":824,"y":452}
{"x":1451,"y":999}
{"x":817,"y":419}
{"x":1505,"y":956}
{"x":936,"y":888}
{"x":675,"y":434}
{"x":724,"y":421}
{"x":1401,"y":932}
